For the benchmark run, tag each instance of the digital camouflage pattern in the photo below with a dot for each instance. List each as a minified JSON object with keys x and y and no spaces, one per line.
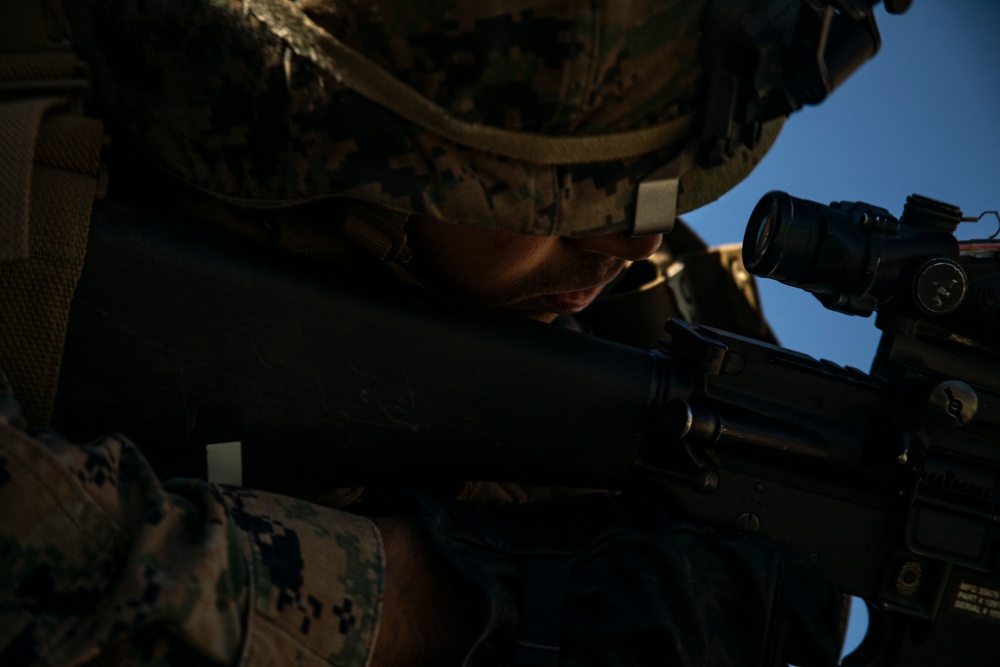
{"x":99,"y":560}
{"x":106,"y":563}
{"x":215,"y":93}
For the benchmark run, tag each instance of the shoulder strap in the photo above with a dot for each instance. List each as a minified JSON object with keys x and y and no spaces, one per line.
{"x":50,"y":173}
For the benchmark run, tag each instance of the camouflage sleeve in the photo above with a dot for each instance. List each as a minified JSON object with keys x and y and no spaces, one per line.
{"x":99,"y":560}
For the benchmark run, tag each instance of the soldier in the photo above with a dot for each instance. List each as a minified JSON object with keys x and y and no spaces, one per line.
{"x":490,"y":152}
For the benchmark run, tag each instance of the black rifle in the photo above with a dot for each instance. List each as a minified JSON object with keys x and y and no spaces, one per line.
{"x":180,"y":337}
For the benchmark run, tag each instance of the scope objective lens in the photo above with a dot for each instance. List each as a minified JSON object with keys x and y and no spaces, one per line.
{"x":761,"y":245}
{"x":765,"y":231}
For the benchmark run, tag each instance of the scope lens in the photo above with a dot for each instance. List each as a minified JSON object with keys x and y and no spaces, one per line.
{"x":765,"y":230}
{"x":761,"y":243}
{"x":806,"y":244}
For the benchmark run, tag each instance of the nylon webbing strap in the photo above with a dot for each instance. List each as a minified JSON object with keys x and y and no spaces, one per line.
{"x":380,"y":232}
{"x":49,"y":176}
{"x":354,"y":70}
{"x":539,"y":630}
{"x":19,"y":123}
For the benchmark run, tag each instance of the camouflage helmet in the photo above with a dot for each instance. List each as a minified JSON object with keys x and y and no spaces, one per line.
{"x":537,"y":117}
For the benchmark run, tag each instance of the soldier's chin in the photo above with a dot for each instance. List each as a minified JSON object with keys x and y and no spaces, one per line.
{"x":539,"y":315}
{"x":548,"y":307}
{"x":569,"y":303}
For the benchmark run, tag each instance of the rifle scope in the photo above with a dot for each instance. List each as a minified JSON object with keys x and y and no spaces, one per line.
{"x":852,"y":255}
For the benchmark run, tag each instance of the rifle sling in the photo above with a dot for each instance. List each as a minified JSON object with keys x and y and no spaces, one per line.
{"x":50,"y":174}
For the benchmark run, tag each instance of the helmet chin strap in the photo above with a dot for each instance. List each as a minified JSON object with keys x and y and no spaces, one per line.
{"x":381,"y":232}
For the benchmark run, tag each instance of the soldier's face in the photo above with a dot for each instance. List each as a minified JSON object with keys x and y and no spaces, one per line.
{"x":539,"y":276}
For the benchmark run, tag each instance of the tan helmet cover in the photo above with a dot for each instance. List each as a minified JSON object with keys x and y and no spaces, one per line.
{"x":535,"y":117}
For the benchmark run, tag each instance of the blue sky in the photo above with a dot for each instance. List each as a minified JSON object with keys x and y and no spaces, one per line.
{"x":922,"y":117}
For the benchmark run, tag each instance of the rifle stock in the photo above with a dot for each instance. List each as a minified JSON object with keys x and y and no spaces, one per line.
{"x":180,"y":337}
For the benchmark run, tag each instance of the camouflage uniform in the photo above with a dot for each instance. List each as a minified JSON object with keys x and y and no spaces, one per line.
{"x":98,"y":559}
{"x":247,"y":101}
